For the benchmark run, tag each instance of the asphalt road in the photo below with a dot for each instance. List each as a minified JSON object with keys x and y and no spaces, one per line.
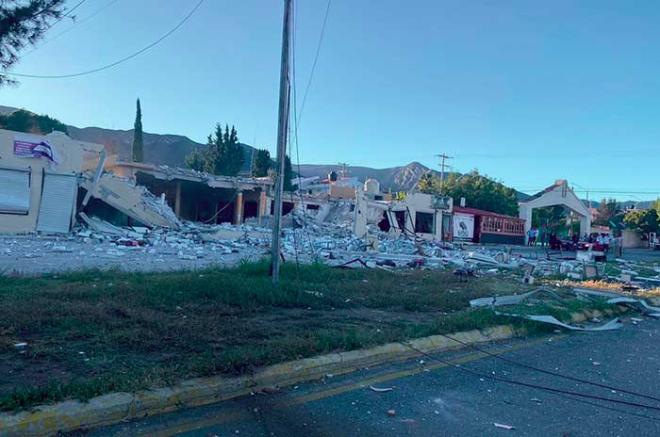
{"x":433,"y":398}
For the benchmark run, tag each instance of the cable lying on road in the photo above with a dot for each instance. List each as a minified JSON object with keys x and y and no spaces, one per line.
{"x":549,"y":372}
{"x":567,"y":393}
{"x":530,"y":385}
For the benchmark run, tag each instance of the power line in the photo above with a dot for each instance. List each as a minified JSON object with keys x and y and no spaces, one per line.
{"x":531,"y":385}
{"x":656,"y":192}
{"x":70,"y":28}
{"x":547,"y":372}
{"x":113,"y":64}
{"x":316,"y":58}
{"x":573,"y":395}
{"x":67,"y":14}
{"x":443,"y":157}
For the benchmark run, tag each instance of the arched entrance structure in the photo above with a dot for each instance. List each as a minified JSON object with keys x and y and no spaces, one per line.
{"x":557,"y":194}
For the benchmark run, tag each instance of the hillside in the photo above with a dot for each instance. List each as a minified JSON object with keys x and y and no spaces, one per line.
{"x":395,"y":178}
{"x":171,"y":150}
{"x":160,"y":149}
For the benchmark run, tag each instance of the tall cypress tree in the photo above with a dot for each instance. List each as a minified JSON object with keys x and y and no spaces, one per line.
{"x":138,"y":143}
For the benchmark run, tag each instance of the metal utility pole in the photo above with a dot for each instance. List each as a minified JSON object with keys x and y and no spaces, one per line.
{"x":343,"y":169}
{"x":443,"y":157}
{"x":282,"y":129}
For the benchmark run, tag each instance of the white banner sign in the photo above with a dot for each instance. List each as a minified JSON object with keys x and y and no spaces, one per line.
{"x":34,"y":146}
{"x":463,"y":227}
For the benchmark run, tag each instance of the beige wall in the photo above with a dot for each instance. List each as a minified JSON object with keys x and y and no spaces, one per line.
{"x":632,"y":239}
{"x":74,"y":155}
{"x":421,"y":202}
{"x":341,"y":192}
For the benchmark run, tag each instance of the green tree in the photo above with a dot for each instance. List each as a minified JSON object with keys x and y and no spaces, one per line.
{"x":223,"y":154}
{"x":262,"y":163}
{"x":642,"y":220}
{"x":288,"y":174}
{"x":551,"y":217}
{"x":138,"y":140}
{"x":23,"y":23}
{"x":25,"y":121}
{"x":606,"y":210}
{"x":428,"y":184}
{"x":479,"y":191}
{"x":656,"y":205}
{"x":196,"y":160}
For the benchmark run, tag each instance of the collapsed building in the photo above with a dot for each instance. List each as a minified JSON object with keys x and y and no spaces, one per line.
{"x":104,"y":213}
{"x":202,"y":197}
{"x":39,"y":176}
{"x":50,"y":181}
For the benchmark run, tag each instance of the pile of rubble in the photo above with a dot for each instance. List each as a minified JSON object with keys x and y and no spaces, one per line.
{"x":325,"y":235}
{"x":104,"y":246}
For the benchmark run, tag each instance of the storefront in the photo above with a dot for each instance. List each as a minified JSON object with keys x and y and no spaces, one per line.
{"x":479,"y":226}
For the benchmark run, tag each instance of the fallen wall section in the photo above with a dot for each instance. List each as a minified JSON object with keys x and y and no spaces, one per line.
{"x":133,"y":200}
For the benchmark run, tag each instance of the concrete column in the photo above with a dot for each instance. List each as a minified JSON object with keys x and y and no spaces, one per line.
{"x":262,"y":210}
{"x":238,"y":209}
{"x":177,"y":199}
{"x":525,"y":213}
{"x":585,"y":225}
{"x":438,"y":225}
{"x":360,"y":217}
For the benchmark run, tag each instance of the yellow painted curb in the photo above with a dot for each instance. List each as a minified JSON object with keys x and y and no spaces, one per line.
{"x":116,"y":407}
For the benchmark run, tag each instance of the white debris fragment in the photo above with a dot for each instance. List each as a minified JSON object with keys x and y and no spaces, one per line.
{"x":381,"y":389}
{"x":503,"y":426}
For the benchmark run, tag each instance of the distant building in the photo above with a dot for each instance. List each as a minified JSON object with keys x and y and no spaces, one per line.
{"x":480,"y":226}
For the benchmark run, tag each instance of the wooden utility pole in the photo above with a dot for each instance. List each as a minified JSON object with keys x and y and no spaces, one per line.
{"x":443,"y":157}
{"x":282,"y":130}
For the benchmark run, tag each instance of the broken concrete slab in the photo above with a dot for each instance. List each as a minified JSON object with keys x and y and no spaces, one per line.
{"x":608,"y":326}
{"x":133,"y":200}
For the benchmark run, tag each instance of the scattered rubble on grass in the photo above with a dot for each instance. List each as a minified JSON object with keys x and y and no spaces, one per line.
{"x":102,"y":245}
{"x":324,"y":235}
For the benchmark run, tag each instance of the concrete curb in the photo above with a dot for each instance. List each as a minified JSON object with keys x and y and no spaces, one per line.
{"x":116,"y":407}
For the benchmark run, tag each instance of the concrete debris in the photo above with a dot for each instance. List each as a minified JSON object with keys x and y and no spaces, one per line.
{"x":638,"y":304}
{"x":612,"y":324}
{"x":133,"y":200}
{"x":102,"y":245}
{"x":515,"y":299}
{"x":381,"y":390}
{"x":323,"y":233}
{"x":503,"y":426}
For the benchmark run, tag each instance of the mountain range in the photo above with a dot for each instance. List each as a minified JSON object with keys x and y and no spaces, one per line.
{"x":171,"y":150}
{"x":401,"y":178}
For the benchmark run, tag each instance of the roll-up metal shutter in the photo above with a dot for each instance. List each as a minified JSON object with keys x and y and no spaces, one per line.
{"x":58,"y":198}
{"x":14,"y":191}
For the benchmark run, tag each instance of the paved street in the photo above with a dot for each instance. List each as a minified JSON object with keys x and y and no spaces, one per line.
{"x":431,"y":397}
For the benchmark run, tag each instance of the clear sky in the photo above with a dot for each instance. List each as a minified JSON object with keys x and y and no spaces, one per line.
{"x":524,"y":91}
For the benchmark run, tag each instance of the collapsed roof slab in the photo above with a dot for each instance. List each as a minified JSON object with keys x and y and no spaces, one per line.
{"x":164,"y":172}
{"x":133,"y":200}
